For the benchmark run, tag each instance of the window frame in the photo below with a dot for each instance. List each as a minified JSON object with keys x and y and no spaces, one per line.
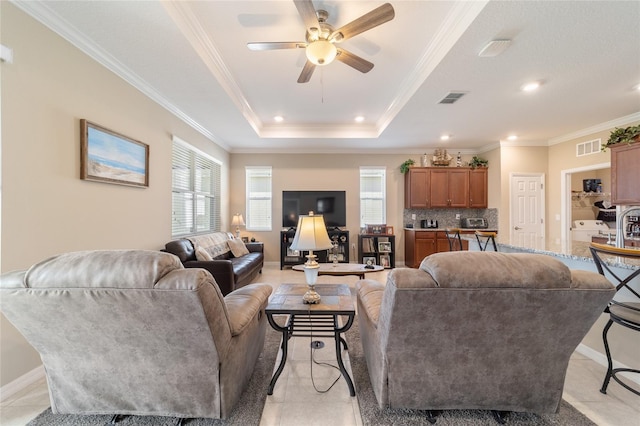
{"x":254,"y":171}
{"x":381,"y":171}
{"x":193,"y":194}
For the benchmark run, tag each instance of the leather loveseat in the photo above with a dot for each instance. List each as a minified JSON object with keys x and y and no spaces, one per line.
{"x":133,"y":332}
{"x":230,"y":272}
{"x":477,"y":330}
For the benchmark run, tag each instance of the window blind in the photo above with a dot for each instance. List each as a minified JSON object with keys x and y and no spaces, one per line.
{"x":195,"y":191}
{"x":372,"y":195}
{"x":259,"y":198}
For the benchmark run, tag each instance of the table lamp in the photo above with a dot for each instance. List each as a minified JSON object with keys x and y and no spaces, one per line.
{"x":237,"y":221}
{"x":311,"y":234}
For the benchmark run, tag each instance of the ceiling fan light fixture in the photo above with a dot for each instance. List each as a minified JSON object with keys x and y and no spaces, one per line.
{"x":321,"y":52}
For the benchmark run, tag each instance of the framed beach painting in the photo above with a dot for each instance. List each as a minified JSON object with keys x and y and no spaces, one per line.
{"x":107,"y":156}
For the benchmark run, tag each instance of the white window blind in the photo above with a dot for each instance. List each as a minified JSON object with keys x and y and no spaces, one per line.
{"x":195,"y":191}
{"x":258,"y":198}
{"x":373,"y":197}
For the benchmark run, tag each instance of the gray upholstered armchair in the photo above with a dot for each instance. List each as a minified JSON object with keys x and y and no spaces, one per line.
{"x":134,"y":332}
{"x":477,"y":330}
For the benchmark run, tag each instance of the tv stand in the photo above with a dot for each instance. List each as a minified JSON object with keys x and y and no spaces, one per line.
{"x":290,"y":257}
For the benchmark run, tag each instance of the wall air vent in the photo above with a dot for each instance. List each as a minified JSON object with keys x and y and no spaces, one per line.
{"x":588,"y":147}
{"x":452,"y":97}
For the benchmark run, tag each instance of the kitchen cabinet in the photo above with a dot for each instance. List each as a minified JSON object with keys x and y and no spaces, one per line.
{"x":445,"y":187}
{"x":625,"y":174}
{"x":419,"y":244}
{"x":478,"y":185}
{"x":416,"y":188}
{"x":449,"y":187}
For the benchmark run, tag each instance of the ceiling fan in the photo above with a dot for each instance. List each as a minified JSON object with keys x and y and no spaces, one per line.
{"x":321,"y":38}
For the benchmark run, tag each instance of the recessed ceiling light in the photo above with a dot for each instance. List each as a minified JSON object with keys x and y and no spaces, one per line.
{"x":445,"y":137}
{"x":530,"y":87}
{"x":359,"y":119}
{"x":278,"y":118}
{"x":512,"y":137}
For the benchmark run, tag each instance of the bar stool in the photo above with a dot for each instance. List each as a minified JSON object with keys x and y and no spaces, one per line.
{"x":453,"y":236}
{"x":484,"y":238}
{"x":625,"y":313}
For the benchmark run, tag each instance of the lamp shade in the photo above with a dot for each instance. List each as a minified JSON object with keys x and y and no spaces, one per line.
{"x":321,"y":52}
{"x":237,"y":220}
{"x":311,"y":234}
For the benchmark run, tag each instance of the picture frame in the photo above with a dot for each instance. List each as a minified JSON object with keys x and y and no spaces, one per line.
{"x":369,"y":260}
{"x":390,"y":230}
{"x":107,"y":156}
{"x":245,"y":240}
{"x":376,"y":229}
{"x":384,"y":247}
{"x":385,"y":261}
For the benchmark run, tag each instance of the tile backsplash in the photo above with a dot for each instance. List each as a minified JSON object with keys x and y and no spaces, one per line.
{"x":447,"y":217}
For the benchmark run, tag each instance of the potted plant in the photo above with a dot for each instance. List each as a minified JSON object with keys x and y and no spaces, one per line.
{"x":627,"y":135}
{"x":478,"y":162}
{"x":404,"y":167}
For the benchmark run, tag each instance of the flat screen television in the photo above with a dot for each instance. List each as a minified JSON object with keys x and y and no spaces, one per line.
{"x":331,"y":204}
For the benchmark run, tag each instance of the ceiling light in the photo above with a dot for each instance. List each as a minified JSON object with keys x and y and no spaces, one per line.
{"x":445,"y":137}
{"x":494,"y":48}
{"x":637,"y":87}
{"x":278,"y":118}
{"x":321,"y":52}
{"x":512,"y":137}
{"x":530,"y":87}
{"x":359,"y":119}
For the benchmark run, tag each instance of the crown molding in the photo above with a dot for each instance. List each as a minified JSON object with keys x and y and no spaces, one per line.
{"x":453,"y":27}
{"x":41,"y":12}
{"x":607,"y":125}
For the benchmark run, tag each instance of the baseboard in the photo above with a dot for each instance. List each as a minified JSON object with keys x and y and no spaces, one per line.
{"x":601,"y":359}
{"x":22,"y":382}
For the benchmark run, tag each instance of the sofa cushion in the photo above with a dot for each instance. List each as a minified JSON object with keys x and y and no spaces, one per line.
{"x":215,"y":243}
{"x":237,"y":247}
{"x":202,"y":254}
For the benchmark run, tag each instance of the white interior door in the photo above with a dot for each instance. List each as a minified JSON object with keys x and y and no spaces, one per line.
{"x":527,"y":210}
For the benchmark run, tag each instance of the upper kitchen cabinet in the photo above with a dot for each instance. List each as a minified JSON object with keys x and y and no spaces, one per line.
{"x":625,"y":173}
{"x":416,"y":188}
{"x":449,"y":187}
{"x":478,"y":184}
{"x":445,"y":187}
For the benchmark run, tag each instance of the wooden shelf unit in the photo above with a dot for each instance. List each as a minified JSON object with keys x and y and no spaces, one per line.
{"x":290,"y":257}
{"x":369,"y":246}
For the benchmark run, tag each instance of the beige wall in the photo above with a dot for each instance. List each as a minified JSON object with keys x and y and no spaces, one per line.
{"x":517,"y":159}
{"x":46,"y":208}
{"x":562,"y":157}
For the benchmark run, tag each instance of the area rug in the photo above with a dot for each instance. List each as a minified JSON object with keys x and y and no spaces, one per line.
{"x":247,"y":412}
{"x":372,"y":415}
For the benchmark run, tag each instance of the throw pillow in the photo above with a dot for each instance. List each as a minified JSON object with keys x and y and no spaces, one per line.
{"x":237,"y":247}
{"x":202,"y":254}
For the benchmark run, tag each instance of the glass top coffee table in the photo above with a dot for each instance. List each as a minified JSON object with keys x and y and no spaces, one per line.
{"x":342,"y":269}
{"x":316,"y":320}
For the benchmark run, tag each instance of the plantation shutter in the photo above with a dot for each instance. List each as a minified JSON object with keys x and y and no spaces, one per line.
{"x":259,"y":198}
{"x":372,"y":195}
{"x":195,"y":191}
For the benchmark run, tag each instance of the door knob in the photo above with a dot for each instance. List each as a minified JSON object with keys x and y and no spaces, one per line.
{"x":517,"y":228}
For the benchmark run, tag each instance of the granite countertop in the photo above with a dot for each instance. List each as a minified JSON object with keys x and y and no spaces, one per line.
{"x":575,"y":250}
{"x":444,"y":229}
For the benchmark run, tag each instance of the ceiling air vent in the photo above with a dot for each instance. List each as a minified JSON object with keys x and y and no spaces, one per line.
{"x":452,"y":97}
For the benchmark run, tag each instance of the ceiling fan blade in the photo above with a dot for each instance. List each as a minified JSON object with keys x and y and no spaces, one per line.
{"x":377,"y":16}
{"x":308,"y":13}
{"x":267,"y":45}
{"x":306,"y":73}
{"x":354,"y":61}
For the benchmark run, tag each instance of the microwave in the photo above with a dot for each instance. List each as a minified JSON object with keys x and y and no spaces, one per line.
{"x":474,"y":223}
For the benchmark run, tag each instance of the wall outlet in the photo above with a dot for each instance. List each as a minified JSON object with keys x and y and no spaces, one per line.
{"x":413,"y":216}
{"x":458,"y":216}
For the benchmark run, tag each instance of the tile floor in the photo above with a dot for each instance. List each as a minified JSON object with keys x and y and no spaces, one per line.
{"x":295,"y":401}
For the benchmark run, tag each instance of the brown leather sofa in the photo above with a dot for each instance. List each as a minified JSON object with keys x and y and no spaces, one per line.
{"x":477,"y":330}
{"x":230,"y":272}
{"x":133,"y":332}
